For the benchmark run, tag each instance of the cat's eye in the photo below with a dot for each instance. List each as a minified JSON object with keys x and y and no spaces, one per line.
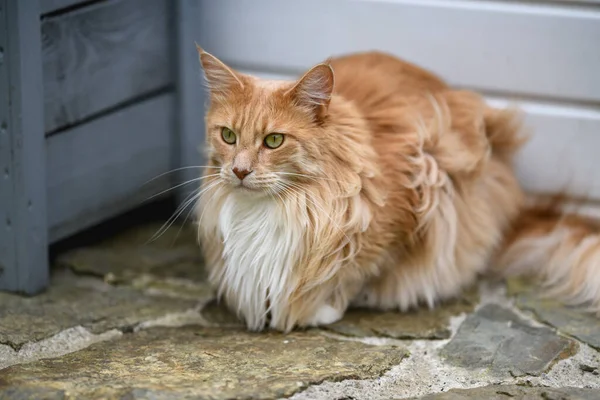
{"x":274,"y":140}
{"x":228,"y":135}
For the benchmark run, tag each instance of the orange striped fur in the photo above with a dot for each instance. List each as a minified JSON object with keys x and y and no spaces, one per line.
{"x":390,"y":189}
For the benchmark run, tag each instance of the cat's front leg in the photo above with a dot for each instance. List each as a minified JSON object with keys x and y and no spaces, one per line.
{"x":323,"y":305}
{"x":326,"y":314}
{"x":303,"y":316}
{"x":299,"y":316}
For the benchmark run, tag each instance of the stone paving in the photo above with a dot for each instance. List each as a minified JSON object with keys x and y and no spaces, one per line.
{"x":127,"y":319}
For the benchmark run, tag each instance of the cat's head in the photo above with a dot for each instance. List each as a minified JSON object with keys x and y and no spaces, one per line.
{"x":263,"y":134}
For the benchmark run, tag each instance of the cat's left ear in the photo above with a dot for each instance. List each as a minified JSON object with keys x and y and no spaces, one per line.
{"x":313,"y":90}
{"x":220,"y":78}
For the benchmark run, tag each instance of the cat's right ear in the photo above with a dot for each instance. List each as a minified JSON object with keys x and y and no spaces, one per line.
{"x":219,"y":77}
{"x":313,"y":90}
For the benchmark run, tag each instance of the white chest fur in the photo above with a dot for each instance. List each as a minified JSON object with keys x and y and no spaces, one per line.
{"x":262,"y":244}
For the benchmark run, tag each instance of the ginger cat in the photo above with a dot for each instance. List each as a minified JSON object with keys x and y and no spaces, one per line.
{"x":369,"y":182}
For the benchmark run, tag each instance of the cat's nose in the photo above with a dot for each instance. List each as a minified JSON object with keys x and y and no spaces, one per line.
{"x":241,"y":173}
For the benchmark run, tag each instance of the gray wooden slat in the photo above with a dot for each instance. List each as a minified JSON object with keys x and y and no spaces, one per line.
{"x":190,"y":94}
{"x":23,"y":230}
{"x":48,"y":6}
{"x":534,"y":49}
{"x":98,"y":170}
{"x":103,"y":55}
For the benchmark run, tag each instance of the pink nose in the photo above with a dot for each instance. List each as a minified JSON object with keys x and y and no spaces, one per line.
{"x":241,"y":173}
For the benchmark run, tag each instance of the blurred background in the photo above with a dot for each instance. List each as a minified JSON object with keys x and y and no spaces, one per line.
{"x":97,"y":98}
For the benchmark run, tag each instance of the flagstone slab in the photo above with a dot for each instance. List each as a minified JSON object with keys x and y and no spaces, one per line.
{"x":497,"y":339}
{"x":200,"y":363}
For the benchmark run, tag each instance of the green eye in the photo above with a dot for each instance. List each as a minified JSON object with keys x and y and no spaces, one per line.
{"x":228,"y":135}
{"x":274,"y":140}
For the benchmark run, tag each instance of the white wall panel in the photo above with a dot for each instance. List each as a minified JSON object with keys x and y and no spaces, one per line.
{"x":545,"y":54}
{"x":521,"y":47}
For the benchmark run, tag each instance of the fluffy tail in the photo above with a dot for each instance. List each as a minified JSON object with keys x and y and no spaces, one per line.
{"x":562,"y":250}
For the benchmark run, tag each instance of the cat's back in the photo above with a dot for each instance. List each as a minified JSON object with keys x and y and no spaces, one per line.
{"x":373,"y":79}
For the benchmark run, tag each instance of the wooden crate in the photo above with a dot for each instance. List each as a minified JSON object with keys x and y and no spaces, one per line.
{"x":96,"y":99}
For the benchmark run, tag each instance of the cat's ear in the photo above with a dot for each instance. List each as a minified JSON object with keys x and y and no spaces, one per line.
{"x":313,"y":90}
{"x":219,"y":77}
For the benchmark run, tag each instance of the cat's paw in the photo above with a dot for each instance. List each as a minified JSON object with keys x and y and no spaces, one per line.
{"x":366,"y":298}
{"x":326,"y":315}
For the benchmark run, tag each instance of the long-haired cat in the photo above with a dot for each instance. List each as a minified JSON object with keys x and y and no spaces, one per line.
{"x":369,"y":181}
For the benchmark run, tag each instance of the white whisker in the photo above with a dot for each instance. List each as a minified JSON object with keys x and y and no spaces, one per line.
{"x":179,"y":169}
{"x":315,"y":203}
{"x":180,"y":210}
{"x":289,"y":191}
{"x":180,"y":185}
{"x":312,"y":177}
{"x":199,"y":222}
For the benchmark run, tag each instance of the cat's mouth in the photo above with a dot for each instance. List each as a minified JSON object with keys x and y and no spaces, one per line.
{"x":246,"y":188}
{"x":249,"y":187}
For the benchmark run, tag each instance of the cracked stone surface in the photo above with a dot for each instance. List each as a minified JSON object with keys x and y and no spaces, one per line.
{"x":65,"y":342}
{"x":72,"y":301}
{"x":202,"y":362}
{"x":171,"y":264}
{"x":581,"y":325}
{"x":217,"y":314}
{"x":418,"y":324}
{"x":130,"y":318}
{"x":506,"y":392}
{"x":497,"y":338}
